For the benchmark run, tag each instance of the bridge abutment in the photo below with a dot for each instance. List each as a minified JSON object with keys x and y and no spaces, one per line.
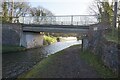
{"x":30,"y":40}
{"x":13,"y":34}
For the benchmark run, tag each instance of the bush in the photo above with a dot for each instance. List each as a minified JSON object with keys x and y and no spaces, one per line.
{"x":49,"y":40}
{"x":110,"y":37}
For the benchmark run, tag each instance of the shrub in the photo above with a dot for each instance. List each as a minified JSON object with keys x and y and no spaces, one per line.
{"x":49,"y":39}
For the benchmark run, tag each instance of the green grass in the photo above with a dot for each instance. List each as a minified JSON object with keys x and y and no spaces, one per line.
{"x":41,"y":66}
{"x":8,"y":48}
{"x":95,"y":62}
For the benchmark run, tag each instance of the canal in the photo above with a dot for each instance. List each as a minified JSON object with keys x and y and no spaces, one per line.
{"x":14,"y":64}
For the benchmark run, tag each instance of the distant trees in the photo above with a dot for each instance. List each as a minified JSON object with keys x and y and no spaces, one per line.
{"x":17,"y":9}
{"x":5,"y":11}
{"x":107,"y":12}
{"x":103,"y":9}
{"x":21,"y":9}
{"x":119,"y":14}
{"x":39,"y":13}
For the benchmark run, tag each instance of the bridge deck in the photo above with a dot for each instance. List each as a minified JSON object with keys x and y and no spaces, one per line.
{"x":72,"y":23}
{"x":55,"y":28}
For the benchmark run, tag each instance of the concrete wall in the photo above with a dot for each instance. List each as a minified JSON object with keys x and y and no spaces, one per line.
{"x":85,"y":44}
{"x":11,"y":34}
{"x":30,"y":40}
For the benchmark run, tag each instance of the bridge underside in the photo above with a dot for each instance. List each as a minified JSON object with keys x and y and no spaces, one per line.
{"x":60,"y":30}
{"x":55,"y":28}
{"x":32,"y":37}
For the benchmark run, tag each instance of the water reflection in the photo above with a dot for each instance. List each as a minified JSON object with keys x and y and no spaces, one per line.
{"x":51,"y":49}
{"x":16,"y":63}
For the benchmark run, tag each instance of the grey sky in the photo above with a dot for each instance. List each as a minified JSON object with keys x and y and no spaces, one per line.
{"x":64,"y":7}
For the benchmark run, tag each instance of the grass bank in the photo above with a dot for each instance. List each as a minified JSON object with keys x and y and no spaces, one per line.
{"x":95,"y":62}
{"x":47,"y":64}
{"x":41,"y":66}
{"x":9,"y":48}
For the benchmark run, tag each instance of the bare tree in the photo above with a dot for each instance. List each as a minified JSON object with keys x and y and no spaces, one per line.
{"x":21,"y":8}
{"x":18,"y":9}
{"x":41,"y":14}
{"x":5,"y":12}
{"x":119,"y":14}
{"x":40,"y":11}
{"x":104,"y":10}
{"x":10,"y":11}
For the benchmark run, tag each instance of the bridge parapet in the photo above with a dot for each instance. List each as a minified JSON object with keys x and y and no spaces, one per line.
{"x":60,"y":20}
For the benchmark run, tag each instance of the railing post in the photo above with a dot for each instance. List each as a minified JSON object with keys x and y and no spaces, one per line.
{"x":23,"y":20}
{"x":71,"y":20}
{"x":77,"y":23}
{"x":51,"y":20}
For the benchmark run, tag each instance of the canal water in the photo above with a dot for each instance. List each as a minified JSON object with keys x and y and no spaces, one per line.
{"x":14,"y":64}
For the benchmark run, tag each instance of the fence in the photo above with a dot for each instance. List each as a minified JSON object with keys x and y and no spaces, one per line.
{"x":58,"y":20}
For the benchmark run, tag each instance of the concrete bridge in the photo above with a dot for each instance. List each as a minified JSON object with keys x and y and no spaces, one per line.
{"x":68,"y":23}
{"x":55,"y":28}
{"x":30,"y":27}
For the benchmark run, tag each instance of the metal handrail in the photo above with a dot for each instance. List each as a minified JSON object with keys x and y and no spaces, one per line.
{"x":60,"y":20}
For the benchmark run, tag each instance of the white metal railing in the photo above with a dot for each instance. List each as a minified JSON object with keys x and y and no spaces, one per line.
{"x":59,"y":20}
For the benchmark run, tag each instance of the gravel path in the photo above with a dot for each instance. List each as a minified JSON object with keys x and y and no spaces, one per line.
{"x":68,"y":65}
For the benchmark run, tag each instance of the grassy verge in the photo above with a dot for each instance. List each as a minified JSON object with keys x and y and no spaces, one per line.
{"x":95,"y":62}
{"x":8,"y":48}
{"x":41,"y":66}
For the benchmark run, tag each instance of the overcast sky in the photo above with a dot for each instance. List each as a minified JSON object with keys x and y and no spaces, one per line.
{"x":64,"y":7}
